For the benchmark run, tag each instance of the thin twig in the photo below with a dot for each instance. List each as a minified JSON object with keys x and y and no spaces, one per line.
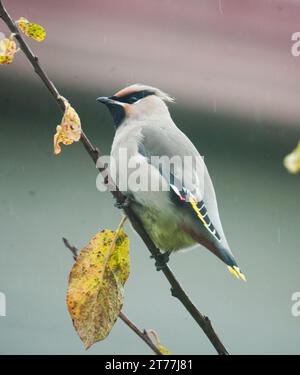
{"x":176,"y":289}
{"x":73,"y":249}
{"x":142,"y":334}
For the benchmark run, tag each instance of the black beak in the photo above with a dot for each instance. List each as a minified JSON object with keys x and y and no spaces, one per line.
{"x":116,"y":108}
{"x":107,"y":100}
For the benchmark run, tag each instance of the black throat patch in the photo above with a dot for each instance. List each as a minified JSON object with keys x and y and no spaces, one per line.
{"x":118,"y":112}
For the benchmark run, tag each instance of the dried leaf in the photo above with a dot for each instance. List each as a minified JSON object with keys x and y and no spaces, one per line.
{"x":292,"y":161}
{"x":156,"y":341}
{"x":33,"y":30}
{"x":95,"y":292}
{"x":69,"y":130}
{"x":8,"y":48}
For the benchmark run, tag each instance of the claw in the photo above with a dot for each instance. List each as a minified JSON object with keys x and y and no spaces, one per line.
{"x":161,"y":260}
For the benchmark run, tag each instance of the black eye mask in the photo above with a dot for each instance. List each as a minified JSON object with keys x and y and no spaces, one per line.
{"x":133,"y":97}
{"x":118,"y":112}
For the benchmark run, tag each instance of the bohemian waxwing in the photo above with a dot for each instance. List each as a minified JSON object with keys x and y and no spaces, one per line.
{"x":175,"y":200}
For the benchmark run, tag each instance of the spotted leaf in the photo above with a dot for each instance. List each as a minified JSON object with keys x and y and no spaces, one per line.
{"x":69,"y":130}
{"x":8,"y":48}
{"x":96,"y":281}
{"x":32,"y":30}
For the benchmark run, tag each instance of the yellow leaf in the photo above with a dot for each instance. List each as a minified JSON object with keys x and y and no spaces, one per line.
{"x":156,"y":341}
{"x":119,"y":261}
{"x":5,"y":60}
{"x":164,"y":350}
{"x":292,"y":161}
{"x":69,"y":130}
{"x":95,"y":291}
{"x":8,"y":48}
{"x":33,"y":30}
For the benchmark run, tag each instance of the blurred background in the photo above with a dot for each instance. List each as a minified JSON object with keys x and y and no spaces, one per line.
{"x":237,"y":88}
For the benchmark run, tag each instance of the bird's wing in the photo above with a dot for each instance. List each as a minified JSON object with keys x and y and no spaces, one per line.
{"x":196,"y":208}
{"x":187,"y":182}
{"x":190,"y":182}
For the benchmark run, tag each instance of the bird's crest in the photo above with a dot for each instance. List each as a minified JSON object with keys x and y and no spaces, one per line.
{"x":139,"y":87}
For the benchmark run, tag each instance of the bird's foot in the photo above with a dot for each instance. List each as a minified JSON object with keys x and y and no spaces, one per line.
{"x":161,"y":260}
{"x":122,"y":205}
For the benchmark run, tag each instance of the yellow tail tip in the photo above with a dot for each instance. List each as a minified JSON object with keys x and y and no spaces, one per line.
{"x":237,"y":272}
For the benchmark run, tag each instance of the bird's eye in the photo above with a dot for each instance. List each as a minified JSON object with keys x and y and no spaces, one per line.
{"x":133,"y":99}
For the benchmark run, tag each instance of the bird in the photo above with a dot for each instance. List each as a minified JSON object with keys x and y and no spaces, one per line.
{"x":178,"y":213}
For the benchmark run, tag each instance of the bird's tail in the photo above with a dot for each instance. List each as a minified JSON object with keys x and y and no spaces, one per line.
{"x":234,"y":270}
{"x":232,"y":266}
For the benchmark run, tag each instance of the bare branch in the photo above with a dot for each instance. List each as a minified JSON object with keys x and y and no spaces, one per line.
{"x":176,"y":289}
{"x":73,"y":249}
{"x":142,"y":334}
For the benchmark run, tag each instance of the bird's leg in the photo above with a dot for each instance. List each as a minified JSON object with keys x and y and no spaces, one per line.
{"x":124,"y":204}
{"x":161,"y":260}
